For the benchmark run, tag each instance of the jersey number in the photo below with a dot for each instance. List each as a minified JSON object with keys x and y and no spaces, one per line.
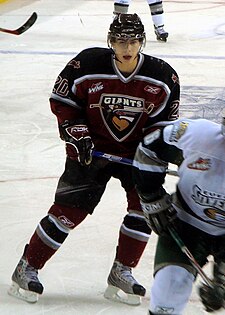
{"x":61,"y":87}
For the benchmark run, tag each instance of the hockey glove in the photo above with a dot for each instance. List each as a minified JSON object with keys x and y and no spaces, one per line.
{"x":78,"y":142}
{"x":213,"y":298}
{"x":158,"y":211}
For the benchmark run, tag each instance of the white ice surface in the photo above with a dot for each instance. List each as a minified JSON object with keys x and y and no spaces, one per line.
{"x":32,"y":156}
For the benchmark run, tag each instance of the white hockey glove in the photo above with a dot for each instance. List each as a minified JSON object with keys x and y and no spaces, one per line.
{"x":79,"y":145}
{"x":213,"y":298}
{"x":158,"y":210}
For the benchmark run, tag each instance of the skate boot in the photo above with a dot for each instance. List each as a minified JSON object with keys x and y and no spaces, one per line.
{"x":25,"y":283}
{"x":122,"y":287}
{"x":160,"y":33}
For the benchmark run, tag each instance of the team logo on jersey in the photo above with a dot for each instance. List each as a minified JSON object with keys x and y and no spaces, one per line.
{"x":178,"y":131}
{"x":175,"y":78}
{"x":75,"y":64}
{"x":152,"y":89}
{"x":215,"y":214}
{"x":95,"y":87}
{"x":214,"y":203}
{"x":200,"y":164}
{"x":120,"y":114}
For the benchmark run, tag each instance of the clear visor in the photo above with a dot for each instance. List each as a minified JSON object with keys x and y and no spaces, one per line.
{"x":127,"y":36}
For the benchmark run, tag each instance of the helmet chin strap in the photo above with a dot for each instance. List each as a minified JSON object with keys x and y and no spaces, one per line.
{"x":116,"y":58}
{"x":113,"y":50}
{"x":114,"y":54}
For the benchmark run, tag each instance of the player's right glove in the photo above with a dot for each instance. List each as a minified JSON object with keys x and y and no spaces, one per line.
{"x":213,"y":298}
{"x":158,"y":210}
{"x":79,"y":145}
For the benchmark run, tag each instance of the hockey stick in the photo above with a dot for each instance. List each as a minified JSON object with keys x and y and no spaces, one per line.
{"x":122,"y":160}
{"x":22,"y":28}
{"x":189,"y":255}
{"x":112,"y":158}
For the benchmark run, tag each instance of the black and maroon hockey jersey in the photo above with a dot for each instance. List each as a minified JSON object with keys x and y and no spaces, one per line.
{"x":116,"y":107}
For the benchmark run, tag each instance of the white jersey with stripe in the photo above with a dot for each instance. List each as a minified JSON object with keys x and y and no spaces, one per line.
{"x":202,"y":172}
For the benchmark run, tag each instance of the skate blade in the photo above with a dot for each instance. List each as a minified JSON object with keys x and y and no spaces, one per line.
{"x":25,"y":295}
{"x":117,"y":295}
{"x":162,"y":39}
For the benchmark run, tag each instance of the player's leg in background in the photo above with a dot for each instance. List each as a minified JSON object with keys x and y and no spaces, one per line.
{"x":157,"y":14}
{"x":121,"y":6}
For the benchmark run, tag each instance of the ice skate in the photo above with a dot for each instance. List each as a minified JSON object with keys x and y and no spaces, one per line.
{"x":25,"y":283}
{"x":122,"y":287}
{"x":160,"y":33}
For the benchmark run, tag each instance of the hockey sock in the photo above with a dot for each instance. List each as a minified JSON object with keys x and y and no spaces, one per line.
{"x":129,"y":250}
{"x":51,"y":232}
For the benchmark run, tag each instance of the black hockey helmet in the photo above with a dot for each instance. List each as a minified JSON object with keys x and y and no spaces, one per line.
{"x":126,"y":26}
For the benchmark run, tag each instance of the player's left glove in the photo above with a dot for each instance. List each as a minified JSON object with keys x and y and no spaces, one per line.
{"x":79,"y":145}
{"x":213,"y":298}
{"x":158,"y":210}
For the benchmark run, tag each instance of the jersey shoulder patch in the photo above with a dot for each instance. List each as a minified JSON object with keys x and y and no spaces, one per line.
{"x":178,"y":131}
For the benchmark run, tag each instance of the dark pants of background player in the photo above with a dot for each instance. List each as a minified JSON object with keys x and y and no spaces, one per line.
{"x":200,"y":244}
{"x":83,"y":186}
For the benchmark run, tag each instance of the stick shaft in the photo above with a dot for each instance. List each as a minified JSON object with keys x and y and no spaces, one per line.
{"x":122,"y":160}
{"x":189,"y":255}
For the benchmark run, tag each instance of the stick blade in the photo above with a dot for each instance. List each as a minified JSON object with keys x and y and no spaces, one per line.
{"x":32,"y":19}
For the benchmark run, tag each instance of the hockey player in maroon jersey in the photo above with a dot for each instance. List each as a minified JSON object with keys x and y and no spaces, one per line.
{"x":104,"y":98}
{"x":195,"y":213}
{"x":157,"y":14}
